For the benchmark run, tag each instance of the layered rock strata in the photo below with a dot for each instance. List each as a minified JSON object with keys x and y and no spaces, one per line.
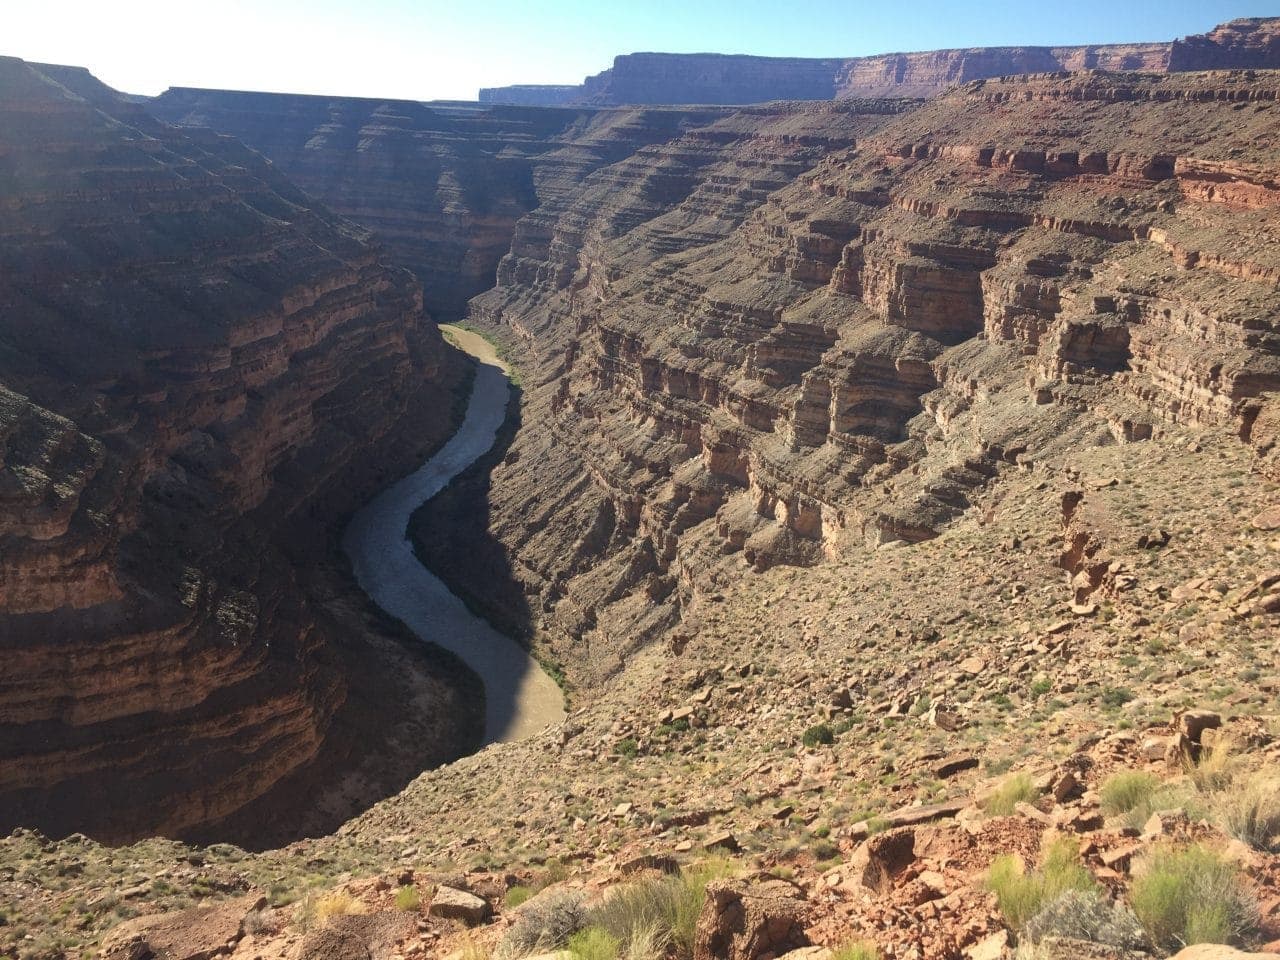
{"x":803,"y":325}
{"x":713,"y":78}
{"x":441,"y":185}
{"x":195,"y":361}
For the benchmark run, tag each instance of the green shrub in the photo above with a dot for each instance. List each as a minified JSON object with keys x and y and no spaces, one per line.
{"x":1022,"y":895}
{"x":1126,"y":790}
{"x":819,"y":734}
{"x":1014,"y":790}
{"x":545,"y":924}
{"x":1251,"y":813}
{"x":1117,"y":696}
{"x":407,"y":899}
{"x":649,"y":916}
{"x":594,"y":943}
{"x":1085,"y":915}
{"x":628,"y":747}
{"x":1186,"y":895}
{"x":856,"y":950}
{"x":518,"y":895}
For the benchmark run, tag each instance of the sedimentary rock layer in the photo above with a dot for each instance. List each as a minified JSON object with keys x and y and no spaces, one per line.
{"x":441,"y":185}
{"x":807,"y":324}
{"x":194,"y":358}
{"x":713,"y":78}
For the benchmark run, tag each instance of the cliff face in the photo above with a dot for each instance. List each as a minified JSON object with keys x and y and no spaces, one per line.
{"x":442,"y":186}
{"x":713,"y":78}
{"x":193,"y":358}
{"x":710,"y":78}
{"x":765,"y":340}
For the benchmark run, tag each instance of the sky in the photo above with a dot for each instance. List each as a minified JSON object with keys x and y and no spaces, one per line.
{"x":448,"y":49}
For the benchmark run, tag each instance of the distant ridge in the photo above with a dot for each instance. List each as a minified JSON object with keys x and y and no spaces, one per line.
{"x":713,"y":78}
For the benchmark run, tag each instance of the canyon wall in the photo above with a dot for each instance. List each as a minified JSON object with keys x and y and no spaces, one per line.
{"x":809,"y":325}
{"x":713,"y":78}
{"x":198,"y":367}
{"x":441,"y":185}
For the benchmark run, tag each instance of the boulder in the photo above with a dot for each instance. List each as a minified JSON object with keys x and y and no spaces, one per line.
{"x":881,"y":858}
{"x":451,"y":904}
{"x":743,"y":919}
{"x":1218,"y":951}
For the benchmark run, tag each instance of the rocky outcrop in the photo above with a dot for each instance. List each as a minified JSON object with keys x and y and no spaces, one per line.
{"x":715,"y":78}
{"x":806,"y":326}
{"x":710,"y":78}
{"x":441,"y":185}
{"x":530,"y":94}
{"x":196,"y":362}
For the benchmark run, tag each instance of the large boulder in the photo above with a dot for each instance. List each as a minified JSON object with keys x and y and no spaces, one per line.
{"x":744,"y":919}
{"x":452,"y":904}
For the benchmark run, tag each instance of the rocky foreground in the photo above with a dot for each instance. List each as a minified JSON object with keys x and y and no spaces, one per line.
{"x":895,"y":489}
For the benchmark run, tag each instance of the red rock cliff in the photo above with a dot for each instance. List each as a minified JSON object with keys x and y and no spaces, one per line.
{"x":193,"y":358}
{"x":798,"y":326}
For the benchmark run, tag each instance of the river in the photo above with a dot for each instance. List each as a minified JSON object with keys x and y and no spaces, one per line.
{"x":520,"y":698}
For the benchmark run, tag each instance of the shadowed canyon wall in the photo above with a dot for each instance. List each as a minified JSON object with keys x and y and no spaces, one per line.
{"x":715,"y":78}
{"x":441,"y":185}
{"x":808,"y":323}
{"x":199,"y":367}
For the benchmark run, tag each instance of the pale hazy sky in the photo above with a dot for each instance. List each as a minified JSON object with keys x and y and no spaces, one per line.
{"x":448,"y":50}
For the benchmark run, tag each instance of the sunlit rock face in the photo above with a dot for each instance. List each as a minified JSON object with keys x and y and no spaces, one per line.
{"x":194,"y":358}
{"x":804,"y":324}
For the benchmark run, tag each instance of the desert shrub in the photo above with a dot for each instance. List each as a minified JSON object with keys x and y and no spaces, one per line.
{"x":628,"y":747}
{"x":818,"y":734}
{"x":1216,"y":769}
{"x":518,"y":895}
{"x":1021,"y":894}
{"x":856,"y":950}
{"x":1186,"y":895}
{"x":407,"y":898}
{"x":545,"y":924}
{"x":1014,"y":790}
{"x":1126,"y":790}
{"x":647,"y":917}
{"x":593,"y":943}
{"x":1251,"y":813}
{"x":693,"y":893}
{"x":1086,"y":915}
{"x":255,"y":921}
{"x":339,"y":903}
{"x":640,"y":915}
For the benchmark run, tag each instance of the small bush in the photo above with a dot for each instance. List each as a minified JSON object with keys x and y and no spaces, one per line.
{"x":255,"y":921}
{"x":518,"y":895}
{"x":593,"y":943}
{"x":628,"y":747}
{"x":648,"y":916}
{"x":1117,"y":696}
{"x":1016,"y":789}
{"x":545,"y":925}
{"x":1127,"y":790}
{"x":1022,"y":895}
{"x":1216,"y":769}
{"x":1251,"y":813}
{"x":407,"y":898}
{"x":856,"y":950}
{"x":339,"y":903}
{"x":819,"y":734}
{"x":1191,"y":895}
{"x":1085,"y":915}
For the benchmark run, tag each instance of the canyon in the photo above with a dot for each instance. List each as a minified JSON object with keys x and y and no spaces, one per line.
{"x":862,"y":447}
{"x":720,"y":79}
